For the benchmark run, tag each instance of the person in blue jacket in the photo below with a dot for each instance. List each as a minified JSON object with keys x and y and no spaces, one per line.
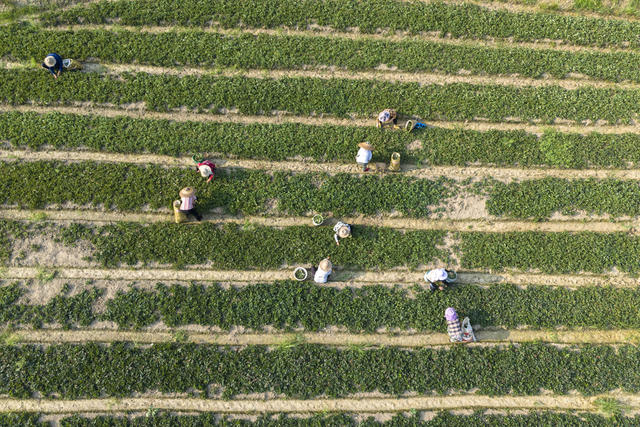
{"x":53,"y":63}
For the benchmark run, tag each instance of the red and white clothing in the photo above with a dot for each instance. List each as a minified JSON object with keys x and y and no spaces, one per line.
{"x":206,"y":169}
{"x":187,"y":203}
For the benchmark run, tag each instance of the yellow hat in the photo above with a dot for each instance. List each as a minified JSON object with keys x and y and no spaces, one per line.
{"x":187,"y":192}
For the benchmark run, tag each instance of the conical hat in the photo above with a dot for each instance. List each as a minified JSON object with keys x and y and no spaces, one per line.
{"x":366,"y":146}
{"x":344,"y":231}
{"x":325,"y":264}
{"x":49,"y":61}
{"x":205,"y":171}
{"x":187,"y":192}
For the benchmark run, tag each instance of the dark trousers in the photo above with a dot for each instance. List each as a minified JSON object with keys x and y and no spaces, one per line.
{"x":193,"y":212}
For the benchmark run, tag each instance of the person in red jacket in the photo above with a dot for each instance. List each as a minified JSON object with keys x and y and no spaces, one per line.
{"x":207,"y":169}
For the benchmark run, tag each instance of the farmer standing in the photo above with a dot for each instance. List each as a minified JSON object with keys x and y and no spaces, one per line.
{"x":437,"y":278}
{"x":207,"y":169}
{"x":342,"y":230}
{"x":322,"y":272}
{"x":453,"y":326}
{"x":364,"y":155}
{"x":188,"y":201}
{"x":387,"y":117}
{"x":53,"y":63}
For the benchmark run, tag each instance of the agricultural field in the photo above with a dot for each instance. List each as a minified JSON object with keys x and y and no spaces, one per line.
{"x":526,"y":181}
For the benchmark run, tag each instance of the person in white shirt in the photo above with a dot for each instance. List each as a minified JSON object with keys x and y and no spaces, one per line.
{"x":342,"y":230}
{"x":437,"y":279}
{"x":364,"y":155}
{"x":322,"y":272}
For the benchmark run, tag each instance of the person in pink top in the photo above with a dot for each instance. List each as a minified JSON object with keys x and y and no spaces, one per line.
{"x":188,"y":201}
{"x":207,"y":169}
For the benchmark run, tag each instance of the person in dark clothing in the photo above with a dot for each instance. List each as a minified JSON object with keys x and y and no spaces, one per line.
{"x":53,"y":63}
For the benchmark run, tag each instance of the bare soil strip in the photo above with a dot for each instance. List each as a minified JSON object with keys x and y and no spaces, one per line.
{"x":454,"y":172}
{"x":327,"y":73}
{"x":365,"y":404}
{"x":354,"y":33}
{"x":493,"y":337}
{"x":485,"y":225}
{"x":186,"y":116}
{"x":340,"y":278}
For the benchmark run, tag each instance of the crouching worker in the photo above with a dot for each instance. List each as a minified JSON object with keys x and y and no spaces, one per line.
{"x":322,"y":272}
{"x":438,"y":278}
{"x":342,"y":230}
{"x":188,"y":201}
{"x":55,"y":64}
{"x":388,"y":117}
{"x":207,"y":169}
{"x":456,"y":332}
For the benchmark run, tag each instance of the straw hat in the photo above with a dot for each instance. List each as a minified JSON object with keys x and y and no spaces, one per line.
{"x":187,"y":192}
{"x":366,"y":146}
{"x":205,"y":171}
{"x":344,"y":232}
{"x":49,"y":61}
{"x":325,"y":265}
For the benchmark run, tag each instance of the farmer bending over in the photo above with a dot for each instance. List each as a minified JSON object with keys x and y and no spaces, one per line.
{"x":342,"y":230}
{"x":53,"y":63}
{"x":322,"y":272}
{"x":364,"y":155}
{"x":188,"y":200}
{"x":206,"y":168}
{"x":453,"y":326}
{"x":388,"y":117}
{"x":437,"y":279}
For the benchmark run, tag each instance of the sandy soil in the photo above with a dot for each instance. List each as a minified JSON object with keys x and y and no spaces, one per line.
{"x":385,"y":404}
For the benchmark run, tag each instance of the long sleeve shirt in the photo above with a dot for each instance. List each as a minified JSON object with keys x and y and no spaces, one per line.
{"x":321,"y":276}
{"x":187,"y":203}
{"x":57,"y":66}
{"x":364,"y":155}
{"x":337,"y":227}
{"x":210,"y":165}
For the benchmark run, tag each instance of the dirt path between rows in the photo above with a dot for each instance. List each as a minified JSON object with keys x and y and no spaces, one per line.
{"x":402,"y":223}
{"x":488,"y":337}
{"x":364,"y":404}
{"x":330,"y":72}
{"x":185,"y":116}
{"x":476,"y":173}
{"x":340,"y":278}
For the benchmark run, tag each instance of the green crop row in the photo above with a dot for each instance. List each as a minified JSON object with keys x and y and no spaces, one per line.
{"x":255,"y":247}
{"x":305,"y":371}
{"x":197,"y":48}
{"x":304,"y":96}
{"x":288,"y":305}
{"x":459,"y":20}
{"x":133,"y":187}
{"x":439,"y":146}
{"x":541,"y":198}
{"x":155,"y":418}
{"x":552,"y":252}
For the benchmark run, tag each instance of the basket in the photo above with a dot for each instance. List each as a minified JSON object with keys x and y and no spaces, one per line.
{"x":178,"y":216}
{"x":300,"y":274}
{"x":409,"y":125}
{"x":317,"y":220}
{"x":452,"y":276}
{"x":395,"y":162}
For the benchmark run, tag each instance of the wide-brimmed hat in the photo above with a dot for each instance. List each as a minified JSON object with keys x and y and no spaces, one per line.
{"x":344,"y":231}
{"x":205,"y":171}
{"x":450,"y":314}
{"x":187,"y":192}
{"x":325,"y":264}
{"x":366,"y":146}
{"x":49,"y":61}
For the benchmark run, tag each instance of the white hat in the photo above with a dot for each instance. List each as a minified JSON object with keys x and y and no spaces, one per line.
{"x":436,"y":275}
{"x":325,"y":265}
{"x":49,"y":61}
{"x":205,"y":171}
{"x":344,"y":231}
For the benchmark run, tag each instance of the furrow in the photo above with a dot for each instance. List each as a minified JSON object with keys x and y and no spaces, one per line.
{"x":452,"y":172}
{"x":326,"y":73}
{"x":342,"y":278}
{"x":357,"y":404}
{"x":488,"y":337}
{"x":183,"y":116}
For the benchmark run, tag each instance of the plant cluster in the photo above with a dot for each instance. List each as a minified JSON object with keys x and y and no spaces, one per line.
{"x":198,"y":48}
{"x":442,"y":419}
{"x":306,"y":371}
{"x":541,"y":198}
{"x":304,"y":96}
{"x":458,"y":20}
{"x":233,"y":246}
{"x":551,"y":252}
{"x":125,"y":186}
